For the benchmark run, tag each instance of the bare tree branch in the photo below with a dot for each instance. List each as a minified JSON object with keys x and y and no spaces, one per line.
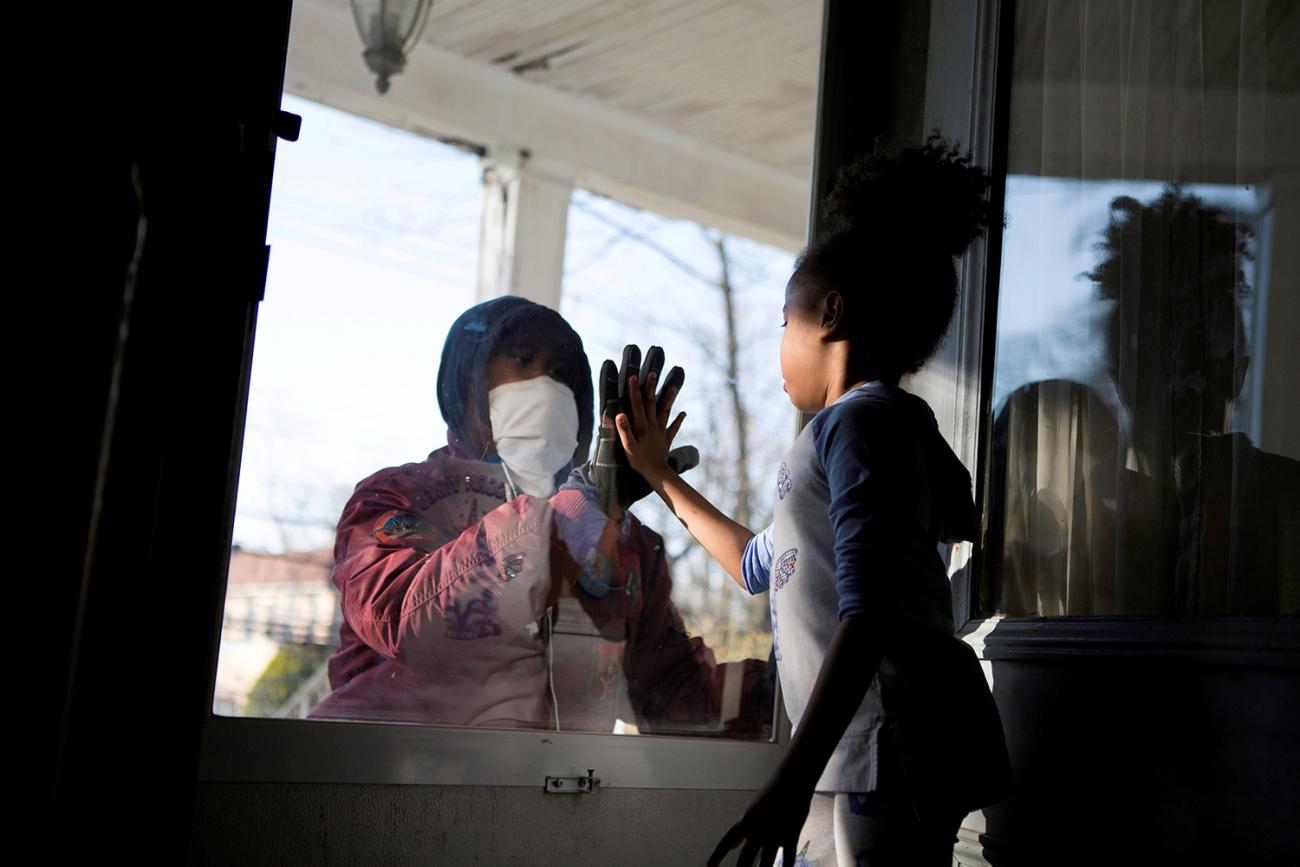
{"x":629,"y":233}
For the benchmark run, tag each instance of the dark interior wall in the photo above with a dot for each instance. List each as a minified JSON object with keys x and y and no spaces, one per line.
{"x":167,"y":162}
{"x":296,"y":824}
{"x":874,"y":58}
{"x":1128,"y":759}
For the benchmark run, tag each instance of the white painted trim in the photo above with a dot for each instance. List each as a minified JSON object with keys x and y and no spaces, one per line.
{"x":524,"y":223}
{"x":614,"y":152}
{"x":969,"y":852}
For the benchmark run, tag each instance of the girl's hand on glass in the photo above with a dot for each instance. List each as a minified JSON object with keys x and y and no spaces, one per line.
{"x":644,"y":432}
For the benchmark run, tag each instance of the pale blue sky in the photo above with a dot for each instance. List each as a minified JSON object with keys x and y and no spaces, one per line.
{"x":1049,"y":318}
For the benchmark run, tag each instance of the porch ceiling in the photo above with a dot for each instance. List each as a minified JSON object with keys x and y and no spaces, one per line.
{"x":740,"y":74}
{"x":701,"y":109}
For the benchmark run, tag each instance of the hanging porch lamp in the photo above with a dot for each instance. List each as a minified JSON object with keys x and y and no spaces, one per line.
{"x":389,"y":29}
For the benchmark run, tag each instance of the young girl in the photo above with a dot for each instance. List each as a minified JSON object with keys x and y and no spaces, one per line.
{"x":896,"y":736}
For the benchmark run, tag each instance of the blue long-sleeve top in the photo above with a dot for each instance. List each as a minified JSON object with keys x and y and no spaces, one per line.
{"x":876,"y":448}
{"x":863,"y":498}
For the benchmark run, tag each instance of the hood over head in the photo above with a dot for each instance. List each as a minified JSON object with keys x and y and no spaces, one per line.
{"x":495,"y":324}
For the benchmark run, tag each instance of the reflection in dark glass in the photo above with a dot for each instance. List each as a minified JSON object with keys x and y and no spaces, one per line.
{"x":1161,"y":508}
{"x":1146,"y":450}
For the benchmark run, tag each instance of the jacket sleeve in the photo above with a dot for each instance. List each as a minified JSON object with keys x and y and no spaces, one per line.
{"x":414,"y":598}
{"x":674,"y":682}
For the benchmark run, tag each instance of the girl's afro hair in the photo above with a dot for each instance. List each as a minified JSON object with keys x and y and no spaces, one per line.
{"x":930,"y":191}
{"x":894,"y":221}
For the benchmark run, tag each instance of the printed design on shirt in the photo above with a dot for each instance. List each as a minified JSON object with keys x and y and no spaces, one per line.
{"x":783,"y":483}
{"x":633,"y":589}
{"x":594,"y":575}
{"x":606,"y":671}
{"x":468,"y":619}
{"x":783,"y":568}
{"x":801,"y":859}
{"x":398,"y":528}
{"x":480,"y":483}
{"x":512,"y":565}
{"x":433,"y":491}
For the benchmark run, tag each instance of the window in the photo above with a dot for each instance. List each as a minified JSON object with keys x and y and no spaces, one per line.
{"x":384,"y":232}
{"x":1146,"y":453}
{"x":346,"y":382}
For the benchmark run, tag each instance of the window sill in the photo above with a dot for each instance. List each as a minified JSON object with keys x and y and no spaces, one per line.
{"x":301,"y":751}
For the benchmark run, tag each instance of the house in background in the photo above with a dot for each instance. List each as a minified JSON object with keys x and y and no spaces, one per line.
{"x":276,"y":604}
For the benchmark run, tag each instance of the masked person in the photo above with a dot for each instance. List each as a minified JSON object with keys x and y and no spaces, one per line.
{"x":493,"y":585}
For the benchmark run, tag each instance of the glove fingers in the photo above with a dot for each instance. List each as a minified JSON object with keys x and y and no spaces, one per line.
{"x":653,"y":363}
{"x":683,"y":458}
{"x":609,"y":390}
{"x":673,"y":380}
{"x":629,"y":368}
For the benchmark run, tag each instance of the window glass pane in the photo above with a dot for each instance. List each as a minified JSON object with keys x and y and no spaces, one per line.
{"x":415,"y":539}
{"x":1146,"y":444}
{"x":713,"y":302}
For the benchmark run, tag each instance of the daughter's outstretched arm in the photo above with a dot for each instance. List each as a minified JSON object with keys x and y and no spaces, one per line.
{"x":646,"y":437}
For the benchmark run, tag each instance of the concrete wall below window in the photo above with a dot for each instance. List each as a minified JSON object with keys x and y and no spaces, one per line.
{"x":311,"y":824}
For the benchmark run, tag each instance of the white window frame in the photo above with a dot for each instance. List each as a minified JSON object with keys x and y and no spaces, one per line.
{"x":252,"y":749}
{"x":311,"y":751}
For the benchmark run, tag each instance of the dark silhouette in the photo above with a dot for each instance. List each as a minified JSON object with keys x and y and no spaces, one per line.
{"x":1163,"y":511}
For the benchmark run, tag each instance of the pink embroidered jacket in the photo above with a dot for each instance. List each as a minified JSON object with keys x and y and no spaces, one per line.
{"x":445,"y":584}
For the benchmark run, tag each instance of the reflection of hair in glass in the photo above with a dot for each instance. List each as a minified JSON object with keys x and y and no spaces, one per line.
{"x":897,"y":218}
{"x":1174,"y":267}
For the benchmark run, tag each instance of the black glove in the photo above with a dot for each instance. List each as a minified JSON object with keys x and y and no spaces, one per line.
{"x":616,"y":481}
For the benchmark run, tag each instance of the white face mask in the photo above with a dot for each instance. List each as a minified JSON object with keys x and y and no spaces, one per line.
{"x":535,"y":425}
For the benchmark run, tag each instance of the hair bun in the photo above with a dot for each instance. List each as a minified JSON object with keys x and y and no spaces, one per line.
{"x":930,"y":196}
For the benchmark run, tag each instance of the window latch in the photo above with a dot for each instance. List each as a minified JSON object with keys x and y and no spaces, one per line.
{"x":573,"y":785}
{"x":287,"y":125}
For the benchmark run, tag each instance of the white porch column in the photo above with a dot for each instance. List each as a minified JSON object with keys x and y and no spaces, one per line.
{"x":525,"y":213}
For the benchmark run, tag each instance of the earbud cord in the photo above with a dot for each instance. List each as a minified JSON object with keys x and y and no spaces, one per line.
{"x":511,"y":488}
{"x":547,"y":628}
{"x":548,"y":635}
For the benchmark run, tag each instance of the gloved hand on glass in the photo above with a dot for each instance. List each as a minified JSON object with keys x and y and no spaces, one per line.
{"x":618,"y":484}
{"x":608,"y":481}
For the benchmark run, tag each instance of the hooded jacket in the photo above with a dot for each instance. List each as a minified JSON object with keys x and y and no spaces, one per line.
{"x":462,"y":373}
{"x":452,"y":591}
